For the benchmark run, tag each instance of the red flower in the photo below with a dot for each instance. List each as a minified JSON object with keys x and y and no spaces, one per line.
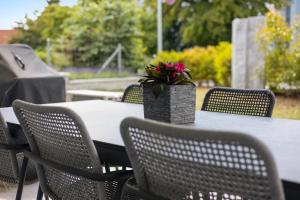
{"x":173,"y":75}
{"x":157,"y":68}
{"x":180,"y":67}
{"x":169,"y":65}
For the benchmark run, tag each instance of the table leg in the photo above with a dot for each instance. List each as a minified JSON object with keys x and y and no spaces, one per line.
{"x":291,"y":190}
{"x":39,"y":194}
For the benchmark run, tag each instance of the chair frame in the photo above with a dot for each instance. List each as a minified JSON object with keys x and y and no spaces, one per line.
{"x":110,"y":176}
{"x":188,"y":133}
{"x":269,"y":93}
{"x":22,"y":173}
{"x":18,"y":148}
{"x":39,"y":161}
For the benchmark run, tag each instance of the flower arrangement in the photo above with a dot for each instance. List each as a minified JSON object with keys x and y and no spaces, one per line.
{"x":166,"y":74}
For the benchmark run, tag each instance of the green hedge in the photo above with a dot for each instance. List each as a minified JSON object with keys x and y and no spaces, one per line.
{"x":280,"y":44}
{"x":206,"y":63}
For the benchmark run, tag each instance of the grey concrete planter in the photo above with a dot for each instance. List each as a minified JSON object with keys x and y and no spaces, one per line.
{"x":175,"y":105}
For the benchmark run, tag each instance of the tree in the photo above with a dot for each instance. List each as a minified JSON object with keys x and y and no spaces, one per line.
{"x":205,"y":22}
{"x":94,"y":30}
{"x":47,"y":25}
{"x":50,"y":2}
{"x":280,"y":45}
{"x":148,"y":26}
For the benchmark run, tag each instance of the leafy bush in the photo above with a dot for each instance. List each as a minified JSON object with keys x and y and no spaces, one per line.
{"x":206,"y":63}
{"x":46,"y":25}
{"x":222,"y":63}
{"x":94,"y":30}
{"x":280,"y":45}
{"x":42,"y":55}
{"x":86,"y":34}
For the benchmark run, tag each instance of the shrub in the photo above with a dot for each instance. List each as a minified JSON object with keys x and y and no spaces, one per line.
{"x":222,"y":63}
{"x":206,"y":63}
{"x":280,"y":45}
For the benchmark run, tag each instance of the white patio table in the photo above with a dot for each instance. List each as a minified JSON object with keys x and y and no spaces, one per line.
{"x":281,"y":136}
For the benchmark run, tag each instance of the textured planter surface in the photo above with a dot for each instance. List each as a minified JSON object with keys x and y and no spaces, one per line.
{"x":176,"y":104}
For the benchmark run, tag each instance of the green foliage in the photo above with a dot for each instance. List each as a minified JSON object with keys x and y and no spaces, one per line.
{"x":280,"y":45}
{"x":148,"y":25}
{"x":189,"y":23}
{"x":222,"y":63}
{"x":162,"y":74}
{"x":166,"y":73}
{"x":93,"y":32}
{"x":205,"y":63}
{"x":50,"y":2}
{"x":86,"y":34}
{"x":42,"y":55}
{"x":47,"y":25}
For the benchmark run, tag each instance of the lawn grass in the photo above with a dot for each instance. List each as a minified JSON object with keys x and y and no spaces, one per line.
{"x":91,"y":75}
{"x":285,"y":107}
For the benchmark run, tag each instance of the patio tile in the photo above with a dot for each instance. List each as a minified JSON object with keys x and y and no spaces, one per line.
{"x":8,"y":191}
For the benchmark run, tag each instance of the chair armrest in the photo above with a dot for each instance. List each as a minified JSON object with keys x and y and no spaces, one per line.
{"x":111,"y":176}
{"x":16,"y":147}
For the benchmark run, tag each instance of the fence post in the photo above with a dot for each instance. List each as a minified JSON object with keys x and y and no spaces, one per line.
{"x":120,"y":67}
{"x":48,"y":48}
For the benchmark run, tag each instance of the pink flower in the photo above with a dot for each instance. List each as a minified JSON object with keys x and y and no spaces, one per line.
{"x":180,"y":67}
{"x":169,"y":65}
{"x":170,"y":2}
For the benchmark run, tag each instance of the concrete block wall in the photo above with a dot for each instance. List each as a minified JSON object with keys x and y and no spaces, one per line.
{"x":247,"y":61}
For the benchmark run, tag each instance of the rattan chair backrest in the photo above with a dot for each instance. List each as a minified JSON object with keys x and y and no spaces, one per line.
{"x":178,"y":163}
{"x":133,"y":94}
{"x":59,"y":135}
{"x":239,"y":101}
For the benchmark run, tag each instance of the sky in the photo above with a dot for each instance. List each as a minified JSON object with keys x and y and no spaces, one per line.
{"x":15,"y":10}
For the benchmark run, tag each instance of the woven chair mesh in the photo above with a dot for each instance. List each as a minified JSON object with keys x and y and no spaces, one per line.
{"x":133,"y":94}
{"x":175,"y":167}
{"x":239,"y":101}
{"x":59,"y":139}
{"x":10,"y":161}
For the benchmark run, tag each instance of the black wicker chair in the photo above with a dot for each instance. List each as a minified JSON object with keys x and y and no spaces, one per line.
{"x":68,"y":165}
{"x":11,"y":157}
{"x":133,"y":94}
{"x":239,"y":101}
{"x":175,"y":163}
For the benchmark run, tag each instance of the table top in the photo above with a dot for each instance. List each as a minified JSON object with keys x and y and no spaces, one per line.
{"x":281,"y":136}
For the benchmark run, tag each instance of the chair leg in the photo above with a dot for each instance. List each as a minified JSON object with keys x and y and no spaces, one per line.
{"x":22,"y":178}
{"x":39,"y":194}
{"x":107,"y":169}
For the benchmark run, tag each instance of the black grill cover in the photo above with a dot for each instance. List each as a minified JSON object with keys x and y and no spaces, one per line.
{"x":24,"y":76}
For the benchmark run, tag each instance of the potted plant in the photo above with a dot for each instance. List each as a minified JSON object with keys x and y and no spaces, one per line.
{"x":169,"y":93}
